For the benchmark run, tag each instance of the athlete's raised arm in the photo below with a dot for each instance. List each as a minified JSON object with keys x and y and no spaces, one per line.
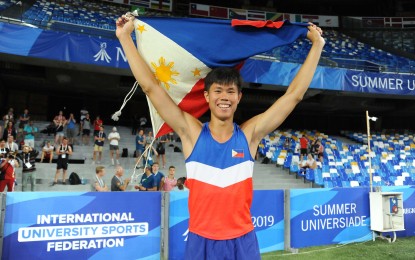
{"x":257,"y":127}
{"x":182,"y":123}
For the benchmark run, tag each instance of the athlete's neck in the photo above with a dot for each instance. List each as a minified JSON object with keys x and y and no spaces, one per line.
{"x":220,"y":130}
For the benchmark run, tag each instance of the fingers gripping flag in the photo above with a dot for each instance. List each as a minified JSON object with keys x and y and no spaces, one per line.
{"x":182,"y":51}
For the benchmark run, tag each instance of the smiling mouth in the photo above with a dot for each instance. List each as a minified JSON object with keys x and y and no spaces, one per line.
{"x":224,"y":106}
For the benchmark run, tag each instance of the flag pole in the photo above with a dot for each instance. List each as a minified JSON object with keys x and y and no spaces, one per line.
{"x":369,"y":149}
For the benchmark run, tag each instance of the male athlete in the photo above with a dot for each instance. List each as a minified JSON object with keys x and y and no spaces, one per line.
{"x":219,"y":154}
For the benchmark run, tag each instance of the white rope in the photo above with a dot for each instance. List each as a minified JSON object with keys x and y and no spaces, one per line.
{"x":135,"y":175}
{"x":116,"y":115}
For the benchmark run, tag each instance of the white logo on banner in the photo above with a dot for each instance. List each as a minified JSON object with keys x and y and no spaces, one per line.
{"x":186,"y":235}
{"x":102,"y":54}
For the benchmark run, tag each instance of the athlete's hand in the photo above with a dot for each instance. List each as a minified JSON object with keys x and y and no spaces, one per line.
{"x":314,"y":34}
{"x":125,"y":26}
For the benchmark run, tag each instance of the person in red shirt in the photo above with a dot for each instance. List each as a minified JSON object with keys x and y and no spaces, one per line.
{"x":7,"y":176}
{"x":97,"y":124}
{"x":303,"y":147}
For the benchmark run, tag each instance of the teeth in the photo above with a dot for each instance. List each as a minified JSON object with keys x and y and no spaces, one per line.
{"x":224,"y":106}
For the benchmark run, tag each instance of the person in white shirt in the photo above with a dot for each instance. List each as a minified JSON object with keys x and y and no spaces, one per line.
{"x":114,"y":138}
{"x":11,"y":145}
{"x":47,"y":152}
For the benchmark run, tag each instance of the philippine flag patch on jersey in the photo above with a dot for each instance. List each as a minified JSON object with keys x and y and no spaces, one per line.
{"x":237,"y":153}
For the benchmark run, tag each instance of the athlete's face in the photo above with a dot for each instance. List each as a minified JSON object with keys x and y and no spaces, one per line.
{"x":223,"y":100}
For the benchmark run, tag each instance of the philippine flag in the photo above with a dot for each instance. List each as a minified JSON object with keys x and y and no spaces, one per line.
{"x":182,"y":51}
{"x":238,"y":153}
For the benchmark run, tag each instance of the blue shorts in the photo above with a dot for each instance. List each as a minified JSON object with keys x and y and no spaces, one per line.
{"x":240,"y":248}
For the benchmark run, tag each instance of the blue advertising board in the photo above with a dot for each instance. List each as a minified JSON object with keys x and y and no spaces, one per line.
{"x":74,"y":225}
{"x":267,"y":216}
{"x":408,"y":208}
{"x":329,"y":216}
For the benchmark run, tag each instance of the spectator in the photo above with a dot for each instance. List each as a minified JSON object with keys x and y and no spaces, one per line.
{"x":143,"y":121}
{"x":309,"y":163}
{"x":9,"y":176}
{"x":86,"y":129}
{"x":9,"y":130}
{"x":158,"y":176}
{"x":114,"y":138}
{"x":161,"y":149}
{"x":63,"y":151}
{"x":83,"y":113}
{"x":117,"y":182}
{"x":139,"y":145}
{"x":320,"y":151}
{"x":28,"y":157}
{"x":148,"y":155}
{"x":169,"y":182}
{"x":9,"y":117}
{"x":70,"y":129}
{"x":28,"y":131}
{"x":60,"y":122}
{"x":47,"y":152}
{"x":4,"y":151}
{"x":99,"y":145}
{"x":97,"y":124}
{"x":147,"y":181}
{"x":99,"y":184}
{"x":303,"y":147}
{"x":180,"y":186}
{"x":149,"y":138}
{"x":11,"y":145}
{"x":287,"y":144}
{"x":24,"y":119}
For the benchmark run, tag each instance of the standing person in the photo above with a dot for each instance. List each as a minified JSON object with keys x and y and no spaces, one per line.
{"x":4,"y":151}
{"x":8,"y":177}
{"x":139,"y":145}
{"x":158,"y":176}
{"x":147,"y":181}
{"x":143,"y":122}
{"x":63,"y":151}
{"x":29,"y":137}
{"x":70,"y":129}
{"x":86,"y":129}
{"x":9,"y":130}
{"x":320,"y":151}
{"x":47,"y":152}
{"x":149,"y":138}
{"x":97,"y":124}
{"x":99,"y":184}
{"x":114,"y":138}
{"x":303,"y":147}
{"x":117,"y":182}
{"x":60,"y":122}
{"x":29,"y":168}
{"x":23,"y":120}
{"x":220,"y":221}
{"x":161,"y":149}
{"x":99,"y":138}
{"x":169,"y":182}
{"x":83,"y":114}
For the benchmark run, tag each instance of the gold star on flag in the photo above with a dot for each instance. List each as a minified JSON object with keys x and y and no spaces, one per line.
{"x":196,"y":72}
{"x":141,"y":28}
{"x":165,"y":72}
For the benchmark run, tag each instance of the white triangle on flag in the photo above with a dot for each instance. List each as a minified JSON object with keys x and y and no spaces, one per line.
{"x":176,"y":69}
{"x":234,"y":153}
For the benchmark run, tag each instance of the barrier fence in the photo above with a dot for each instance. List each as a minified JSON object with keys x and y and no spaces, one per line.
{"x":154,"y":225}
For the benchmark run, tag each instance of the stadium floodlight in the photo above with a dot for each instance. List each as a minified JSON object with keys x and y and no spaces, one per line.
{"x":373,"y":118}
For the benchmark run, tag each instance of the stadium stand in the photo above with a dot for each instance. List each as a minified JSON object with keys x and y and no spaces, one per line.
{"x":402,"y":40}
{"x":346,"y":165}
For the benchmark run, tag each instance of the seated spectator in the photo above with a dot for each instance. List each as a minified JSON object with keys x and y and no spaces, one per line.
{"x":180,"y":186}
{"x":99,"y":184}
{"x":28,"y":132}
{"x":60,"y":122}
{"x":169,"y":182}
{"x":11,"y":145}
{"x":117,"y":182}
{"x":147,"y":181}
{"x":320,"y":151}
{"x":9,"y":130}
{"x":9,"y":117}
{"x":47,"y":152}
{"x":309,"y":163}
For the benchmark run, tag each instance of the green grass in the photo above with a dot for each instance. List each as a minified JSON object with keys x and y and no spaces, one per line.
{"x":403,"y":248}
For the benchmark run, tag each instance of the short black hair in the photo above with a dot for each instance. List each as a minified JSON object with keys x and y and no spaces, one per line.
{"x":223,"y":76}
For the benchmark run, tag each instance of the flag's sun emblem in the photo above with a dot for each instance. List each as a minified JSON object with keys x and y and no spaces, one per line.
{"x":164,"y":72}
